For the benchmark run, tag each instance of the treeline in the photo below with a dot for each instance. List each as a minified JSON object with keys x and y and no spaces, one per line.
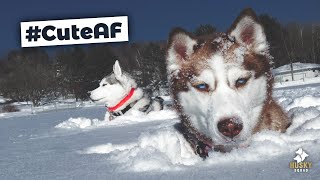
{"x":292,"y":42}
{"x":30,"y":74}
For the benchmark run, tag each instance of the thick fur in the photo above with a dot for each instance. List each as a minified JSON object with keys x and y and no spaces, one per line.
{"x":117,"y":85}
{"x":219,"y":61}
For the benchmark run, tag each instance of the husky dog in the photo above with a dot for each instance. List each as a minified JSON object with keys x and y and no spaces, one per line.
{"x":221,"y":85}
{"x":121,"y":95}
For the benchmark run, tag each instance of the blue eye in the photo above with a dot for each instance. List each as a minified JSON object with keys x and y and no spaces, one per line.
{"x":202,"y":87}
{"x":241,"y":82}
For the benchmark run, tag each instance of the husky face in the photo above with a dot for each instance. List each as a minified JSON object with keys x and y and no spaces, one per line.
{"x":221,"y":82}
{"x":113,"y":88}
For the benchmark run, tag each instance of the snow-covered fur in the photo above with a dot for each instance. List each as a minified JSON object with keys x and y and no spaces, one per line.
{"x":116,"y":86}
{"x":221,"y":83}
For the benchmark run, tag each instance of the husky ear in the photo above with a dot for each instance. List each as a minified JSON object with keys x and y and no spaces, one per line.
{"x":180,"y":46}
{"x":117,"y":69}
{"x":248,"y":31}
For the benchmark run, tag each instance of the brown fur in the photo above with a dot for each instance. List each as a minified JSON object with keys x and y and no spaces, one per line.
{"x":272,"y":116}
{"x":245,"y":12}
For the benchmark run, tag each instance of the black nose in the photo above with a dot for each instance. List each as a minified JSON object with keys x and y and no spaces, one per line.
{"x":230,"y":127}
{"x":89,"y":95}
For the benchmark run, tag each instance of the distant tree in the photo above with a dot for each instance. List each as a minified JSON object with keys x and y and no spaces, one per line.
{"x":29,"y":76}
{"x":276,"y":36}
{"x":205,"y":30}
{"x":316,"y":43}
{"x":70,"y":63}
{"x":80,"y":70}
{"x":2,"y":75}
{"x":126,"y":53}
{"x":152,"y":70}
{"x":292,"y":42}
{"x":99,"y":61}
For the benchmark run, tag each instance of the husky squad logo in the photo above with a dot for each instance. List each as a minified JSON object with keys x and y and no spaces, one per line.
{"x":299,"y":164}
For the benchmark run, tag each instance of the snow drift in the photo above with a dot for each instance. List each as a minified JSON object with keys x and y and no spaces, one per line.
{"x":53,"y":145}
{"x":134,"y":118}
{"x":165,"y":149}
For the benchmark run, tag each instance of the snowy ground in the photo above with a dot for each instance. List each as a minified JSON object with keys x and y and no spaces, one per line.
{"x":295,"y":66}
{"x":27,"y":108}
{"x":77,"y":144}
{"x":294,"y":84}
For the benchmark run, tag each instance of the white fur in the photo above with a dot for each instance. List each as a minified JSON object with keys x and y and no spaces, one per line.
{"x":207,"y":109}
{"x":117,"y":69}
{"x":112,"y":94}
{"x":259,"y":44}
{"x":172,"y":59}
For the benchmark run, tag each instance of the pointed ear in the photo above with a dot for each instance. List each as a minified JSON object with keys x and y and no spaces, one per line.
{"x":180,"y":46}
{"x":247,"y":31}
{"x":117,"y":69}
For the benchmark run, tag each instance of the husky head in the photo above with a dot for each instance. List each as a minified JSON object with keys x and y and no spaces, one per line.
{"x":221,"y":82}
{"x":113,"y":88}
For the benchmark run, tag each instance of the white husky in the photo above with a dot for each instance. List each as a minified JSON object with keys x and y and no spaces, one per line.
{"x":222,"y":85}
{"x":121,"y":95}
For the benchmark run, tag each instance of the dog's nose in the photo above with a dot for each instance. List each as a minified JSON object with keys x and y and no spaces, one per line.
{"x":230,"y":127}
{"x":89,"y":95}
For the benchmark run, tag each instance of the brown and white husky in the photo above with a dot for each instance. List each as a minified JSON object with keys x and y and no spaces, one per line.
{"x":221,"y":85}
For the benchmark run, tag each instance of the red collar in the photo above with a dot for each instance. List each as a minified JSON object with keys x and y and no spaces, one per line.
{"x":124,"y":100}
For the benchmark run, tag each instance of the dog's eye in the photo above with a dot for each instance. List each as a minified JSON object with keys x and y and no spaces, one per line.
{"x":241,"y":82}
{"x":104,"y":84}
{"x":202,"y":87}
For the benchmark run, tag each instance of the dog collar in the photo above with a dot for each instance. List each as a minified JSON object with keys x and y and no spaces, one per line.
{"x":144,"y":109}
{"x":124,"y":100}
{"x":121,"y":112}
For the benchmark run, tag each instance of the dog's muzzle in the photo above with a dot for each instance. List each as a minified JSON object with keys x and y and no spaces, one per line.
{"x":230,"y":127}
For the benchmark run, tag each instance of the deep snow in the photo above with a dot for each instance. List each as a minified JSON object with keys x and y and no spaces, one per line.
{"x":77,"y":144}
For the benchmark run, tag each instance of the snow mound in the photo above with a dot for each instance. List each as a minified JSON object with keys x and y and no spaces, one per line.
{"x":81,"y":123}
{"x":107,"y":148}
{"x":306,"y":101}
{"x":165,"y":149}
{"x":2,"y":100}
{"x":134,"y":118}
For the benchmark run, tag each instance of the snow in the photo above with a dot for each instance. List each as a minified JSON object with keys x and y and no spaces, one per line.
{"x":304,"y":82}
{"x":26,"y":108}
{"x":134,"y":118}
{"x":2,"y":100}
{"x":79,"y":144}
{"x":305,"y":101}
{"x":296,"y":66}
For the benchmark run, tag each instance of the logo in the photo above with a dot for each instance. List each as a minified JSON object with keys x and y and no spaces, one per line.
{"x":299,"y":164}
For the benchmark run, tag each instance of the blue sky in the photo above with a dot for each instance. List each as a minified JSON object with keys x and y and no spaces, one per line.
{"x":149,"y":20}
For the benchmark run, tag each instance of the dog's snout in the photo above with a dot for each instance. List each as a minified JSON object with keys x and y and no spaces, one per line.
{"x":230,"y":127}
{"x":89,"y":95}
